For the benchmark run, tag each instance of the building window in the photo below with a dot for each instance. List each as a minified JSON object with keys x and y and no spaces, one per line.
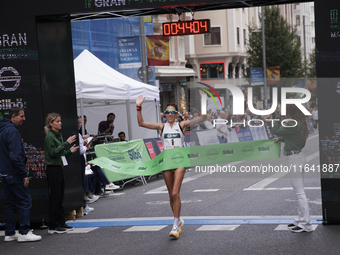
{"x":181,"y":54}
{"x":313,"y":39}
{"x":172,"y":48}
{"x":312,"y":9}
{"x":214,"y":37}
{"x":298,"y":20}
{"x":299,"y":38}
{"x":237,"y":71}
{"x":230,"y":70}
{"x":244,"y":37}
{"x":212,"y":71}
{"x":238,"y":36}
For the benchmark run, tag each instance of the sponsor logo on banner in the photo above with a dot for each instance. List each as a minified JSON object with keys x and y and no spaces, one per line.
{"x":104,"y":3}
{"x":193,"y":155}
{"x":6,"y":104}
{"x":151,"y":150}
{"x":177,"y":158}
{"x":115,"y":166}
{"x":5,"y":81}
{"x":212,"y":154}
{"x":247,"y":151}
{"x":264,"y":149}
{"x":122,"y":174}
{"x":160,"y":146}
{"x":134,"y":154}
{"x":228,"y":152}
{"x":154,"y":167}
{"x":14,"y":40}
{"x":129,"y":168}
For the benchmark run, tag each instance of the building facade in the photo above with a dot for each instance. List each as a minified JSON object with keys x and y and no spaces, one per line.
{"x":172,"y":79}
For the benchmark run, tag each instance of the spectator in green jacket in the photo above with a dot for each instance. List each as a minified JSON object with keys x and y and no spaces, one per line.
{"x":55,"y":158}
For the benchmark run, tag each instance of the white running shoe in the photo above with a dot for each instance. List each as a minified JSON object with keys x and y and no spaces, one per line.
{"x":89,"y":200}
{"x":93,"y":197}
{"x":174,"y":232}
{"x":29,"y":237}
{"x":111,"y":186}
{"x":12,"y":237}
{"x":181,"y":223}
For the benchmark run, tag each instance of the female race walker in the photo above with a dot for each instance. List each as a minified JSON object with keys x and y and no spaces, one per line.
{"x":295,"y":139}
{"x":172,"y":134}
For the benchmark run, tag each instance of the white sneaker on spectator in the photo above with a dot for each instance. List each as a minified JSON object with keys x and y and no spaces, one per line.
{"x":93,"y":197}
{"x":89,"y":200}
{"x":12,"y":237}
{"x":29,"y":237}
{"x":111,"y":186}
{"x":88,"y":209}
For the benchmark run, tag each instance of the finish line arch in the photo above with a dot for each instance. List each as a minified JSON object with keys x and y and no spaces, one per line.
{"x":36,"y":42}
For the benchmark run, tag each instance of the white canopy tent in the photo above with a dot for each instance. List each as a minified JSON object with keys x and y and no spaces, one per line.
{"x":100,"y":90}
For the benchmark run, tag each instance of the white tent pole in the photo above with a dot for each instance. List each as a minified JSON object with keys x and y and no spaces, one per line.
{"x":82,"y":117}
{"x":128,"y":109}
{"x":157,"y":114}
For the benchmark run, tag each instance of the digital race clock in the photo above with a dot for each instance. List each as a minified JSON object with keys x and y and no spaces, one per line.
{"x":188,"y":27}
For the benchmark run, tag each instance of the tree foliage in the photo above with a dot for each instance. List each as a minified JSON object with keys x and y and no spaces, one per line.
{"x":311,"y":65}
{"x":282,"y":47}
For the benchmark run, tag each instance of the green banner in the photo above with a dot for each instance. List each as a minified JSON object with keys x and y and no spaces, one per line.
{"x":189,"y":157}
{"x":124,"y":152}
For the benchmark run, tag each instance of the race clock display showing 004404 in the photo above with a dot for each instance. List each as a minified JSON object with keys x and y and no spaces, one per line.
{"x":188,"y":27}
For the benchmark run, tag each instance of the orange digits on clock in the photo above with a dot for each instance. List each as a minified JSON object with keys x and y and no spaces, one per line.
{"x":181,"y":26}
{"x":166,"y":29}
{"x":196,"y":27}
{"x":188,"y":25}
{"x":174,"y":29}
{"x":204,"y":24}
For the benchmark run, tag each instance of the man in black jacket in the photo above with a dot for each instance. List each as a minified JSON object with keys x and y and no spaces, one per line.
{"x":14,"y":176}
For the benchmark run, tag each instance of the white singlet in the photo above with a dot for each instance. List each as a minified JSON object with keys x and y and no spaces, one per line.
{"x":172,"y":137}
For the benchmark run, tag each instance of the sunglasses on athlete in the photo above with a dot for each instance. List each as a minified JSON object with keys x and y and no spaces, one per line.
{"x":170,"y":111}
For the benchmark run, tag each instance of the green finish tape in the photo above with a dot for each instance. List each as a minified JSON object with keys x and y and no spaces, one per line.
{"x":184,"y":157}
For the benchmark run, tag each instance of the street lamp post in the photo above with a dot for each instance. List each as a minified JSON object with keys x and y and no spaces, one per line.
{"x":264,"y":57}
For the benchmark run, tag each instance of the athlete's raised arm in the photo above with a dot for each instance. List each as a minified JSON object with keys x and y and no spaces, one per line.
{"x":141,"y":122}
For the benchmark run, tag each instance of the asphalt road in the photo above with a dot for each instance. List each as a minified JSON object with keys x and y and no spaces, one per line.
{"x":224,"y":213}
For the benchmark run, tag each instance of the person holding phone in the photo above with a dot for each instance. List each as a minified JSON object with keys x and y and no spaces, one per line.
{"x":55,"y":150}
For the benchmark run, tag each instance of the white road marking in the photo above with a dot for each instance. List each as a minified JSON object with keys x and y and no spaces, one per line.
{"x":145,"y":228}
{"x":317,"y":202}
{"x":167,"y":202}
{"x":206,"y":190}
{"x":163,"y":188}
{"x":81,"y":230}
{"x":285,"y":188}
{"x":265,"y":182}
{"x":284,"y":227}
{"x":217,"y":227}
